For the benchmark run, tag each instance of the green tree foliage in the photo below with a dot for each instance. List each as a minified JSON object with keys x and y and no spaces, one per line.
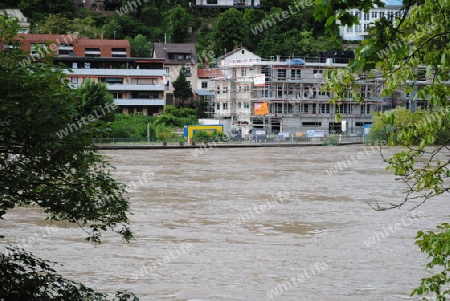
{"x":62,"y":174}
{"x":402,"y":52}
{"x":86,"y":27}
{"x":230,"y":31}
{"x":112,"y":29}
{"x":26,"y":277}
{"x":55,"y":24}
{"x":140,"y":46}
{"x":39,"y":8}
{"x":182,"y":88}
{"x":178,"y":21}
{"x":176,"y":117}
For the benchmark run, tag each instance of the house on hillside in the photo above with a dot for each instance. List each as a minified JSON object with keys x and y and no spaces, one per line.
{"x":17,"y":14}
{"x":179,"y":57}
{"x":359,"y":31}
{"x":227,"y":3}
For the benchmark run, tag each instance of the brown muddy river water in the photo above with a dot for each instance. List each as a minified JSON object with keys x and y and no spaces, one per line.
{"x":248,"y":224}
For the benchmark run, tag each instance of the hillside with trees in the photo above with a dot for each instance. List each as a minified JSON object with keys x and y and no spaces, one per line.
{"x":212,"y":29}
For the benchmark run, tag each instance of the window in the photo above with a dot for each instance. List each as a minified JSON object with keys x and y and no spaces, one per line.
{"x":233,"y":72}
{"x":358,"y":28}
{"x":117,"y":95}
{"x":225,"y":89}
{"x":317,"y":71}
{"x":314,"y":108}
{"x":186,"y":71}
{"x":119,"y":52}
{"x":324,"y":108}
{"x":296,"y":74}
{"x":92,"y":52}
{"x":218,"y":90}
{"x":366,"y":16}
{"x":225,"y":105}
{"x":211,"y":1}
{"x":65,"y":49}
{"x":366,"y":27}
{"x":37,"y":47}
{"x":312,"y":123}
{"x":374,"y":15}
{"x":243,"y":72}
{"x":239,"y":105}
{"x":304,"y":108}
{"x":246,"y":105}
{"x":166,"y":70}
{"x":111,"y":80}
{"x":381,"y":14}
{"x":246,"y":88}
{"x":349,"y":28}
{"x":281,"y":74}
{"x":204,"y":84}
{"x":358,"y":14}
{"x":74,"y":80}
{"x":280,"y":91}
{"x":343,"y":108}
{"x":288,"y":108}
{"x":218,"y":106}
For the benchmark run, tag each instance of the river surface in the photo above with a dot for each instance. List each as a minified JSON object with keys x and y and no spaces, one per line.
{"x":248,"y":224}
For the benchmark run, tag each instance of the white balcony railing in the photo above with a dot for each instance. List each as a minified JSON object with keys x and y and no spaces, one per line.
{"x":117,"y":72}
{"x":119,"y":87}
{"x":139,"y":101}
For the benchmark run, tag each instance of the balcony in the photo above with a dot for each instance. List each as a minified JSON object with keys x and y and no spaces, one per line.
{"x":117,"y":72}
{"x":139,"y":102}
{"x":119,"y":87}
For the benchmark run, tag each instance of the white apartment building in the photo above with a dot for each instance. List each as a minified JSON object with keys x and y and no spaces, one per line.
{"x":359,"y":32}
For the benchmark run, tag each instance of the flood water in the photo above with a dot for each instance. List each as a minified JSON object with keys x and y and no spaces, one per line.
{"x":199,"y":236}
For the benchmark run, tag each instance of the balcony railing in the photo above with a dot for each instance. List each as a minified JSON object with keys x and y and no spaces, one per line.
{"x":119,"y":87}
{"x":139,"y":101}
{"x":118,"y":72}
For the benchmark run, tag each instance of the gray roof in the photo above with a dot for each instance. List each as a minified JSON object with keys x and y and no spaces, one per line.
{"x":162,"y":50}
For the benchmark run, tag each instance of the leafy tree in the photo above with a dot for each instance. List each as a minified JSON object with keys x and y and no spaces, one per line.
{"x":112,"y":30}
{"x":42,"y":7}
{"x":48,"y":159}
{"x":402,"y":51}
{"x":178,"y":20}
{"x":86,"y":27}
{"x":230,"y":31}
{"x":140,"y":46}
{"x":176,"y":117}
{"x":182,"y":88}
{"x":55,"y":24}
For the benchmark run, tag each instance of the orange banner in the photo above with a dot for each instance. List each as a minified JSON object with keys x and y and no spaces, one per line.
{"x":261,"y":108}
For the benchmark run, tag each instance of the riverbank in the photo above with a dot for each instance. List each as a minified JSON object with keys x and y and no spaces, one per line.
{"x":231,"y":144}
